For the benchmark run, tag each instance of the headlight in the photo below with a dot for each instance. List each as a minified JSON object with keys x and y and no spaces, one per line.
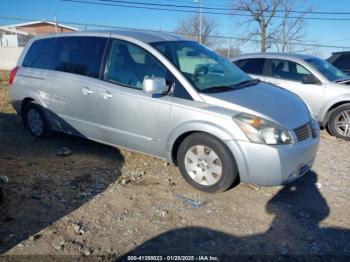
{"x":262,"y":131}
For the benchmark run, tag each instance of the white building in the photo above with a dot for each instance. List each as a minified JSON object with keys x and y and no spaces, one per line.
{"x":11,"y":37}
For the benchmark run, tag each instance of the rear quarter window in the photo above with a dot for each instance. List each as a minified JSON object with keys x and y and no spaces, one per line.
{"x":38,"y":54}
{"x":253,"y":66}
{"x":79,"y":55}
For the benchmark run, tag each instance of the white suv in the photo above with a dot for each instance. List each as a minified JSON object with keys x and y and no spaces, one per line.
{"x":322,"y":86}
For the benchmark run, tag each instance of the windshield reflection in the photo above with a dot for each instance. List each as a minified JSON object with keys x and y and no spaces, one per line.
{"x":328,"y":70}
{"x":202,"y":67}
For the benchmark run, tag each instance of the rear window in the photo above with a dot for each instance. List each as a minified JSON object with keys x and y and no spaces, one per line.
{"x":253,"y":66}
{"x":79,"y":55}
{"x":343,"y":62}
{"x":38,"y":55}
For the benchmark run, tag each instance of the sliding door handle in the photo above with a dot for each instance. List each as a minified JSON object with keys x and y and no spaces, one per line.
{"x":107,"y":95}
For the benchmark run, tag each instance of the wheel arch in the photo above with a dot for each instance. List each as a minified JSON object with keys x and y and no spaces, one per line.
{"x":30,"y":96}
{"x":331,"y":108}
{"x":180,"y":133}
{"x":25,"y":102}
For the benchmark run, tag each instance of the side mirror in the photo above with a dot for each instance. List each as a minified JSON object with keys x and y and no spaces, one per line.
{"x":309,"y":80}
{"x":154,"y":85}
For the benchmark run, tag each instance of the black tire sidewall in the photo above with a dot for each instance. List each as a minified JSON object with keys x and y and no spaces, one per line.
{"x":331,"y":125}
{"x":230,"y":170}
{"x":38,"y":108}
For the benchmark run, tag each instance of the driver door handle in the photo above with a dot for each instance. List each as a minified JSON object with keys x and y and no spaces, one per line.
{"x":86,"y":91}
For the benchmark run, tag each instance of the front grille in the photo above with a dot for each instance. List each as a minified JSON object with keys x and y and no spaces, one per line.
{"x":303,"y":132}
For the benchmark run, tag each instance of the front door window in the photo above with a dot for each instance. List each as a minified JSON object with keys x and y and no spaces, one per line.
{"x":289,"y":70}
{"x":128,"y":65}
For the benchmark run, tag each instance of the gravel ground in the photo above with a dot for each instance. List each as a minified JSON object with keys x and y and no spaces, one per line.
{"x":105,"y":201}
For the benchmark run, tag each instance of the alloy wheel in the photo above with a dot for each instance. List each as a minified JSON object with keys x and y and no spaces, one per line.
{"x":342,"y":123}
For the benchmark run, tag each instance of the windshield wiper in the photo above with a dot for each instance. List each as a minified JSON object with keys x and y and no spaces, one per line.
{"x":249,"y":81}
{"x":217,"y":89}
{"x":343,"y":79}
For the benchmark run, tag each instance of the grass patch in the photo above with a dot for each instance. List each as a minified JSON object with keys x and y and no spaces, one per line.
{"x":5,"y":105}
{"x":4,"y":76}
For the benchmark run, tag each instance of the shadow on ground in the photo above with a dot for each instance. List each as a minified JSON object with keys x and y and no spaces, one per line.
{"x":298,"y":208}
{"x":44,"y":187}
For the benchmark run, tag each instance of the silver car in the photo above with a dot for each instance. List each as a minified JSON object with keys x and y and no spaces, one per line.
{"x":167,"y":97}
{"x":322,"y":86}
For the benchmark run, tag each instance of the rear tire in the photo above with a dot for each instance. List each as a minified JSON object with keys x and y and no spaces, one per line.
{"x":339,"y":122}
{"x":34,"y":119}
{"x":206,"y":163}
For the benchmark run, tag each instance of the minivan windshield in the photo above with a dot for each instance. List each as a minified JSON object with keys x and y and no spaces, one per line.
{"x":206,"y":70}
{"x":328,"y":70}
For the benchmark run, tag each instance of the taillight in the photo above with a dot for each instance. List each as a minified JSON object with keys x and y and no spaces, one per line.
{"x":13,"y":75}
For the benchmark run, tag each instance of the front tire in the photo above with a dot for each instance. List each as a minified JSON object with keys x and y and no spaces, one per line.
{"x":206,"y":163}
{"x":339,"y":122}
{"x":34,"y":119}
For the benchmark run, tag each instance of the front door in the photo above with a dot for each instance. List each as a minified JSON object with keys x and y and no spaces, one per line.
{"x":296,"y":78}
{"x":127,"y":116}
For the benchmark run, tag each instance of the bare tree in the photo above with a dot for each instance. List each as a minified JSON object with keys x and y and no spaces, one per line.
{"x":189,"y":27}
{"x":228,"y":51}
{"x":276,"y":23}
{"x":291,"y":28}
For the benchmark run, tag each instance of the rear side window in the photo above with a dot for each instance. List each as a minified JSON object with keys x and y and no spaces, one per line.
{"x":343,"y":62}
{"x":79,"y":55}
{"x":38,"y":54}
{"x":253,"y":66}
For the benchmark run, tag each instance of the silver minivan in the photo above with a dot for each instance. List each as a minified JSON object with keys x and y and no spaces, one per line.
{"x":322,"y":86}
{"x":168,"y":97}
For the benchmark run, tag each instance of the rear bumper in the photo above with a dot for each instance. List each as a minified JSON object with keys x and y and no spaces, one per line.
{"x":268,"y":165}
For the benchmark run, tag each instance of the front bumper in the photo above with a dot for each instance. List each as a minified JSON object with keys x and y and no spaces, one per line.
{"x":268,"y":165}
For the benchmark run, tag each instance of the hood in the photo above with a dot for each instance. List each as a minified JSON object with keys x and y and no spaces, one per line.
{"x":264,"y":100}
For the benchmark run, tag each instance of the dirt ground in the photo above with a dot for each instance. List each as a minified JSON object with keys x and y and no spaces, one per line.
{"x":102,"y":200}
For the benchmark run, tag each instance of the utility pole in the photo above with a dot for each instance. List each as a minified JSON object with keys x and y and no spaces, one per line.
{"x":55,"y":18}
{"x":229,"y":49}
{"x":200,"y":18}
